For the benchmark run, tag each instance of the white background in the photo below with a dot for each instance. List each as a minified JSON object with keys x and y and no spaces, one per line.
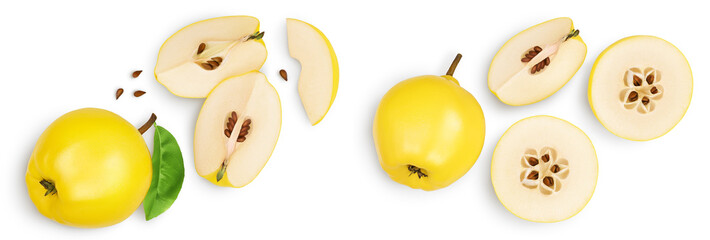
{"x":324,"y":181}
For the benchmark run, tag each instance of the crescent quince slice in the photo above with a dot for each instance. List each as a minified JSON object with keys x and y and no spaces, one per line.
{"x":237,"y":130}
{"x":640,"y":87}
{"x":196,"y":58}
{"x":544,"y":169}
{"x":318,"y":81}
{"x":537,"y":62}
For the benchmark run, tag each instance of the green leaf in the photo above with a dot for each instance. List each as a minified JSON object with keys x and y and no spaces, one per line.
{"x":168,"y":174}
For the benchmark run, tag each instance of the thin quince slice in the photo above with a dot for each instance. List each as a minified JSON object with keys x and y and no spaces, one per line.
{"x":196,"y":58}
{"x":318,"y":81}
{"x":537,"y":62}
{"x":237,"y":130}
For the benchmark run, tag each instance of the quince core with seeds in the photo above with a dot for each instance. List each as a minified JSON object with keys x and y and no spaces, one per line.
{"x":196,"y":58}
{"x":537,"y":62}
{"x":640,"y":87}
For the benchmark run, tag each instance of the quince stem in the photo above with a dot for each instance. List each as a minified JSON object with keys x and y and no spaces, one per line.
{"x":147,"y":124}
{"x":452,"y":68}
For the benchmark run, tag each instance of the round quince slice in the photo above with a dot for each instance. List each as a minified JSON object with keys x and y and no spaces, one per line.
{"x":544,"y":169}
{"x":196,"y":58}
{"x":640,"y":87}
{"x":536,"y":62}
{"x":237,"y":130}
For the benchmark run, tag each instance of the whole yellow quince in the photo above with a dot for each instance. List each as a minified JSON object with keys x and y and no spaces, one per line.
{"x":428,"y":131}
{"x":90,"y":168}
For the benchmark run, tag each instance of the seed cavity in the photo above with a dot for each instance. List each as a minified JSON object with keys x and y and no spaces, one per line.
{"x":548,"y":181}
{"x":633,"y":96}
{"x":530,"y":55}
{"x":533,"y":175}
{"x":533,"y":161}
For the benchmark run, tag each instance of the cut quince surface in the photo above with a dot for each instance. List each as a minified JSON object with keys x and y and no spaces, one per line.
{"x":640,"y":87}
{"x":544,"y":169}
{"x":318,"y":82}
{"x":237,"y":130}
{"x":196,"y":58}
{"x":537,"y":62}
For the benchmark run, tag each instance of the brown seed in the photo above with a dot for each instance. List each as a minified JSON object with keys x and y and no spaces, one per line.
{"x":217,"y":59}
{"x":525,"y":60}
{"x":119,"y":92}
{"x":206,"y":66}
{"x":654,"y":90}
{"x":650,"y":78}
{"x":537,"y":49}
{"x":533,"y":53}
{"x":547,"y":61}
{"x":529,"y":56}
{"x":136,"y":73}
{"x":555,"y":168}
{"x":241,"y":139}
{"x":533,"y":161}
{"x":533,"y":175}
{"x":138,"y":93}
{"x":540,"y":65}
{"x":548,"y":181}
{"x":545,"y":158}
{"x":283,"y":74}
{"x":637,"y":81}
{"x":246,"y":122}
{"x":246,"y":128}
{"x":645,"y":100}
{"x":231,"y":121}
{"x":633,"y":96}
{"x":533,"y":69}
{"x":234,"y":115}
{"x":201,"y":48}
{"x":227,"y":132}
{"x":214,"y":64}
{"x":230,"y":125}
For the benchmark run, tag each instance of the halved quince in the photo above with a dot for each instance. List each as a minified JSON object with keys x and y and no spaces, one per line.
{"x":318,"y":82}
{"x":544,"y":169}
{"x":537,"y":62}
{"x":237,"y":130}
{"x":196,"y":58}
{"x":640,"y":87}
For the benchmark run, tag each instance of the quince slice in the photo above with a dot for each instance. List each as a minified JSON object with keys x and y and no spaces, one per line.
{"x":318,"y":81}
{"x":196,"y":58}
{"x":537,"y":62}
{"x":237,"y":130}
